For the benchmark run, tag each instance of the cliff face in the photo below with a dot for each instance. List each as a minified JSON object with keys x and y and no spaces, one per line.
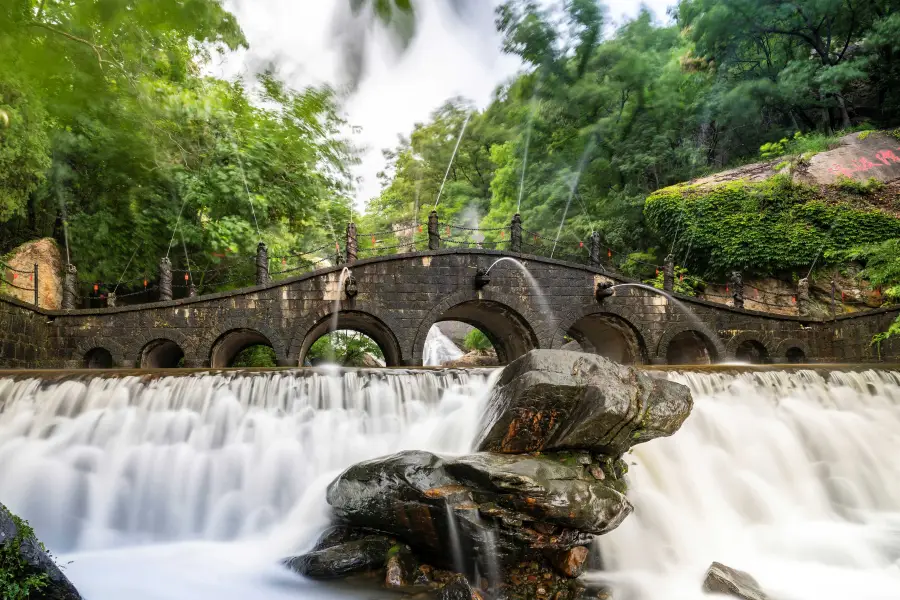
{"x":46,"y":255}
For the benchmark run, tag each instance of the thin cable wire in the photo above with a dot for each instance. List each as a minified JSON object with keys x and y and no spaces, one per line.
{"x":247,"y":188}
{"x":133,"y":254}
{"x":462,"y":132}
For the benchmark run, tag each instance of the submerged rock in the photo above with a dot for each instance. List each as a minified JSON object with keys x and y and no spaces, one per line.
{"x":30,"y":561}
{"x":721,"y":579}
{"x":341,"y":552}
{"x":551,"y":400}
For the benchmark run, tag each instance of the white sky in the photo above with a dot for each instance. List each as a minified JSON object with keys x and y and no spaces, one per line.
{"x":448,"y":58}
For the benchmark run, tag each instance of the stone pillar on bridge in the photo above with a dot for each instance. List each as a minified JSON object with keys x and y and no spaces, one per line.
{"x":737,"y":289}
{"x":803,"y":304}
{"x":434,"y":237}
{"x":352,"y":243}
{"x":165,"y":279}
{"x":515,"y":234}
{"x":192,"y":289}
{"x":262,"y":264}
{"x":669,"y":274}
{"x":111,"y":300}
{"x":70,"y":288}
{"x":596,"y":260}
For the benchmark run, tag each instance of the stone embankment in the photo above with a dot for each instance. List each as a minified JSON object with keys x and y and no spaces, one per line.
{"x":516,"y":518}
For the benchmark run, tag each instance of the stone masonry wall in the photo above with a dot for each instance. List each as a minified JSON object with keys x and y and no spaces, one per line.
{"x":401,"y":296}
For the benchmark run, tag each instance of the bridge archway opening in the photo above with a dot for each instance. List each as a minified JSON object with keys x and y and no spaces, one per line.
{"x":609,"y":336}
{"x":753,"y":352}
{"x":360,"y":332}
{"x":162,"y":354}
{"x":456,"y":343}
{"x":506,"y":330}
{"x":242,"y":348}
{"x":98,"y":358}
{"x":691,"y":348}
{"x":795,"y":356}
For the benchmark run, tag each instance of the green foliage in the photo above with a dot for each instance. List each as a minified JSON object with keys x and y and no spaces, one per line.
{"x":685,"y":283}
{"x":114,"y":130}
{"x":640,"y":265}
{"x":760,"y":228}
{"x":806,"y":145}
{"x":255,"y":357}
{"x":476,"y":341}
{"x":18,"y":580}
{"x":862,"y":188}
{"x":346,"y":348}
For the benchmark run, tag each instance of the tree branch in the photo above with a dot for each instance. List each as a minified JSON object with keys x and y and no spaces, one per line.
{"x":74,"y":38}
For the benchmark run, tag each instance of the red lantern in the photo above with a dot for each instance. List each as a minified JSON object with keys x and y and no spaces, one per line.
{"x":581,"y":244}
{"x":727,"y":290}
{"x":420,"y":229}
{"x":15,"y":275}
{"x":448,"y":231}
{"x":794,"y":299}
{"x":373,"y":240}
{"x":681,"y":277}
{"x":657,"y":272}
{"x":502,"y":233}
{"x":96,"y":288}
{"x":145,"y":283}
{"x":186,"y":277}
{"x":609,"y":253}
{"x":337,"y":247}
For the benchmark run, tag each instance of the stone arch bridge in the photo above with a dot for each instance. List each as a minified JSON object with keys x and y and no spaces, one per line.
{"x":399,"y":297}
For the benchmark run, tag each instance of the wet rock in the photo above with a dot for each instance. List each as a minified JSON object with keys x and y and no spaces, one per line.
{"x":721,"y":579}
{"x":31,"y":560}
{"x":344,"y":559}
{"x":551,"y":400}
{"x":495,"y":507}
{"x":571,"y":562}
{"x":402,"y":570}
{"x":458,"y":589}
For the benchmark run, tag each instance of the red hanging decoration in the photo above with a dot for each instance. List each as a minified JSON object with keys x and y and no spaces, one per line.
{"x":681,"y":277}
{"x":502,"y":233}
{"x":337,"y":247}
{"x":186,"y":277}
{"x":581,"y":244}
{"x":794,"y":299}
{"x":15,"y":275}
{"x":842,"y":295}
{"x":145,"y":283}
{"x":448,"y":230}
{"x":96,"y":288}
{"x":373,"y":240}
{"x":420,"y":229}
{"x":31,"y":277}
{"x":657,"y":272}
{"x":609,"y":253}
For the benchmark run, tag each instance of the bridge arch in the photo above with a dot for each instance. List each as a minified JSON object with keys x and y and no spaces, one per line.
{"x":99,"y":353}
{"x":611,"y":330}
{"x":685,"y":344}
{"x":219,"y":347}
{"x":505,"y":320}
{"x":792,"y":351}
{"x":161,"y":353}
{"x":355,"y":320}
{"x":750,"y":346}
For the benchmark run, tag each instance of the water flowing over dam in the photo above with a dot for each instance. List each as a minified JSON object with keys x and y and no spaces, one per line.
{"x":191,"y":487}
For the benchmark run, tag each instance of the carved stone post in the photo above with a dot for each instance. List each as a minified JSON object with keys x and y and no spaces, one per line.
{"x":737,"y":289}
{"x":262,"y":264}
{"x":434,"y":237}
{"x":595,"y":249}
{"x":165,"y":279}
{"x":352,"y":243}
{"x":111,"y":300}
{"x":669,"y":274}
{"x":803,"y":297}
{"x":192,"y":289}
{"x":70,"y":288}
{"x":515,"y":234}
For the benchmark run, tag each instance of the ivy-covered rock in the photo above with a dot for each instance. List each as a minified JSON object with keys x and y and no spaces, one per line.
{"x":27,"y":572}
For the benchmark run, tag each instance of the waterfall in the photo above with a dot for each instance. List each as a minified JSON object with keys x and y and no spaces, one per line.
{"x":439,"y":349}
{"x":192,"y":487}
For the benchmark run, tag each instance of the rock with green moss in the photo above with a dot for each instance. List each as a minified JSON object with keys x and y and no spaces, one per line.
{"x":27,"y":572}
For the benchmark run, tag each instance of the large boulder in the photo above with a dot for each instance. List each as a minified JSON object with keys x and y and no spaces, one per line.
{"x":552,"y":400}
{"x":484,"y":507}
{"x":721,"y":579}
{"x":25,"y":562}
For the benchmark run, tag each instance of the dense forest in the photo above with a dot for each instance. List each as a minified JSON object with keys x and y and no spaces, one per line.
{"x":114,"y":136}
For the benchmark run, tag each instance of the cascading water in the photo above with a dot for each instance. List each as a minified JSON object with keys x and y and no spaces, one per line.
{"x":439,"y":349}
{"x":792,"y":477}
{"x":193,"y":487}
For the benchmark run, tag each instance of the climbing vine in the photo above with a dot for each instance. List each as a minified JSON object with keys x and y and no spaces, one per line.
{"x":764,"y":228}
{"x":17,"y":578}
